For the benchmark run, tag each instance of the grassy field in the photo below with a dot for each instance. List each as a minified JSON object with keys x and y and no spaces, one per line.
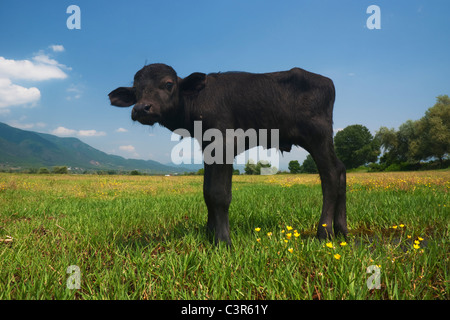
{"x":140,"y":237}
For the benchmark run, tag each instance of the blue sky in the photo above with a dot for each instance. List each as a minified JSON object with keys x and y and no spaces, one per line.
{"x":56,"y":80}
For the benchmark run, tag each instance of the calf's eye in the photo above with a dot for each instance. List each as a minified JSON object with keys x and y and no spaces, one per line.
{"x":169,"y":85}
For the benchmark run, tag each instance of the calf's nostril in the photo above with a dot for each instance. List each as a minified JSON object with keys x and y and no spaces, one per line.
{"x":147,"y":108}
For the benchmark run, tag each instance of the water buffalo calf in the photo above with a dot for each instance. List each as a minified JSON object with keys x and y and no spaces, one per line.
{"x":297,"y":102}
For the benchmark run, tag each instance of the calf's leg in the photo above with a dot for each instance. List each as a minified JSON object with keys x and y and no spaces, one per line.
{"x":217,"y":194}
{"x":340,"y":212}
{"x":333,"y":178}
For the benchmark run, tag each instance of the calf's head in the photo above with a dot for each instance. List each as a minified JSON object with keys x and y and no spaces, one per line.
{"x":157,"y":94}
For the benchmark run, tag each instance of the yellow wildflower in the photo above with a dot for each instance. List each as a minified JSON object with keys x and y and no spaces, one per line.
{"x":259,"y":239}
{"x":420,"y":239}
{"x":337,"y":256}
{"x":288,"y":235}
{"x":291,"y":250}
{"x":286,"y":240}
{"x":416,"y":241}
{"x":416,"y":246}
{"x":289,"y":228}
{"x":257,"y":229}
{"x":269,"y":234}
{"x":394,"y":227}
{"x":343,"y":243}
{"x":324,"y":225}
{"x":408,"y":236}
{"x":402,"y":225}
{"x":329,"y":245}
{"x":296,"y":234}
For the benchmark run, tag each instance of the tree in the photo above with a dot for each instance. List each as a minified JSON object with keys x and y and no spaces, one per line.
{"x":60,"y":170}
{"x":418,"y":140}
{"x":387,"y":138}
{"x":355,"y":146}
{"x":309,"y":165}
{"x":43,"y":171}
{"x":433,"y":132}
{"x":294,"y":166}
{"x":250,"y":167}
{"x":396,"y":144}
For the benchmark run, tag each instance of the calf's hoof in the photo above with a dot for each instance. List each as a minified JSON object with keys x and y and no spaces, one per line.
{"x":324,"y":232}
{"x":218,"y":237}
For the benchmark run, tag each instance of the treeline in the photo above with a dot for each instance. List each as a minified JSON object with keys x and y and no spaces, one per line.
{"x":69,"y":170}
{"x":416,"y":145}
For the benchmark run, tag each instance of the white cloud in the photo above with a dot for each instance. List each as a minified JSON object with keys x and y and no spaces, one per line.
{"x":62,"y":131}
{"x":91,"y":133}
{"x":57,"y":47}
{"x":27,"y":126}
{"x":44,"y":68}
{"x":45,"y":59}
{"x":12,"y":94}
{"x":74,"y":92}
{"x":121,"y":130}
{"x":128,"y":148}
{"x":41,"y":67}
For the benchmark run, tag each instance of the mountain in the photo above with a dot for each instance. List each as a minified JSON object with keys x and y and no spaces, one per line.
{"x":28,"y":149}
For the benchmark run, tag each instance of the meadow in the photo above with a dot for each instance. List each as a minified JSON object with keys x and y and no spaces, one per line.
{"x":143,"y":237}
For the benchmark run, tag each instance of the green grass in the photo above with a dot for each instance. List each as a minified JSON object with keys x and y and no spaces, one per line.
{"x":144,"y":238}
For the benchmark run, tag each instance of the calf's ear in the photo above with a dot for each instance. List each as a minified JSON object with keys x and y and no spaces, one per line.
{"x":122,"y":97}
{"x":192,"y":84}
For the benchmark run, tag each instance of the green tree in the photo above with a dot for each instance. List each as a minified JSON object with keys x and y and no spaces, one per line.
{"x":387,"y":138}
{"x":432,"y":137}
{"x":252,"y":168}
{"x":418,"y":140}
{"x":309,"y":165}
{"x":356,"y":146}
{"x":396,"y":144}
{"x":294,"y":166}
{"x":264,"y":164}
{"x":43,"y":171}
{"x":60,"y":170}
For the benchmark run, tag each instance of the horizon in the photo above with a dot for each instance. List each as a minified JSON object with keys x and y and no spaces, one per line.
{"x":56,"y":80}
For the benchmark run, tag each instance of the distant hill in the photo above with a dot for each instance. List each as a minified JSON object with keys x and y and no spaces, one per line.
{"x":28,"y":149}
